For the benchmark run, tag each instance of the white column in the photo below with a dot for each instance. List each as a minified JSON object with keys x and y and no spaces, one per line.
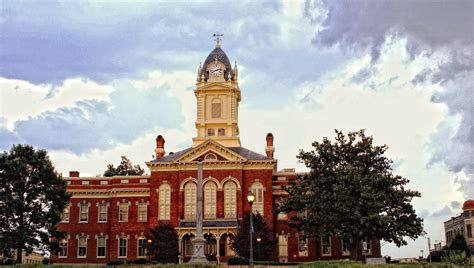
{"x":218,"y":238}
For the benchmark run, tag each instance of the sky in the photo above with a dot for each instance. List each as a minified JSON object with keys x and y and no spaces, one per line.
{"x":90,"y":81}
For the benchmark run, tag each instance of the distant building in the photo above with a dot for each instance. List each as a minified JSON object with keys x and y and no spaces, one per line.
{"x":108,"y":218}
{"x":461,"y":224}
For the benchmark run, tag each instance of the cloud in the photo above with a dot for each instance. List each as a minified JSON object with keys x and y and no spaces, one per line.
{"x":96,"y":124}
{"x":440,"y":32}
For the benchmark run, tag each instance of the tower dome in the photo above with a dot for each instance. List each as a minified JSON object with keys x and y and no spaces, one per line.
{"x":220,"y":55}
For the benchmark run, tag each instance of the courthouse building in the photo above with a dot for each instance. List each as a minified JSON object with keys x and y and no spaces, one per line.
{"x":109,"y":217}
{"x":462,"y":224}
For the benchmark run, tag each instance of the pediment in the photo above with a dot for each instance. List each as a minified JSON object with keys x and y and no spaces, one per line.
{"x":209,"y":148}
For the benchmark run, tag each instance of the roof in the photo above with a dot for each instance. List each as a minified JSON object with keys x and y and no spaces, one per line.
{"x":246,"y":153}
{"x":172,"y":157}
{"x":249,"y":154}
{"x":468,"y":204}
{"x":226,"y":223}
{"x":222,"y":57}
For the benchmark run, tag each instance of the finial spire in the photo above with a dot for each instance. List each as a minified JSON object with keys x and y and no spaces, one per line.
{"x":218,"y":39}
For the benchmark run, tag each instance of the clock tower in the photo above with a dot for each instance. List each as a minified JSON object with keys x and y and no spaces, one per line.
{"x":218,"y":95}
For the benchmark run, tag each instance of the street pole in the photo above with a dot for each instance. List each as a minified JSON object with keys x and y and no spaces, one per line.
{"x":251,"y":199}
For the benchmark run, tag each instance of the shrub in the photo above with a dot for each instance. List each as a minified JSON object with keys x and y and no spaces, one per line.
{"x":237,"y":261}
{"x":116,"y":262}
{"x":140,"y":261}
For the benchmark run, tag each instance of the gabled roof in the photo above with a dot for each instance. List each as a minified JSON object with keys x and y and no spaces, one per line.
{"x":240,"y":152}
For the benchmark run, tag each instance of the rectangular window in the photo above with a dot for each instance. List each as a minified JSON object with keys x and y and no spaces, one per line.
{"x":188,"y":247}
{"x":141,"y":247}
{"x":216,"y":110}
{"x":83,"y":212}
{"x":221,"y":132}
{"x":164,"y":205}
{"x":65,"y":215}
{"x":103,"y":212}
{"x":123,"y":213}
{"x":142,"y":212}
{"x":326,"y":245}
{"x":367,"y":247}
{"x":345,"y":248}
{"x":101,"y":247}
{"x":282,"y":246}
{"x":302,"y":246}
{"x":63,"y":249}
{"x":122,"y":247}
{"x":82,"y":247}
{"x":469,"y":230}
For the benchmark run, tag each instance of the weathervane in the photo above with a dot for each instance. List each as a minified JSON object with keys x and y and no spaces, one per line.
{"x":217,"y":39}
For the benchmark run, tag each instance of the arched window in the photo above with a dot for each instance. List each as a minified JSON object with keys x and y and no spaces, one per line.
{"x":230,"y":200}
{"x":257,"y":190}
{"x":190,"y":201}
{"x":210,"y":192}
{"x":216,"y":107}
{"x":210,"y":157}
{"x":164,"y":202}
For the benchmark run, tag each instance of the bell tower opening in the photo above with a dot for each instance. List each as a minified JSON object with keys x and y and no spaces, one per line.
{"x":218,"y":96}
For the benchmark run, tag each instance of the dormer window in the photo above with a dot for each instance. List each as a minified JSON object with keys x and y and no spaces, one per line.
{"x":211,"y":132}
{"x":221,"y":132}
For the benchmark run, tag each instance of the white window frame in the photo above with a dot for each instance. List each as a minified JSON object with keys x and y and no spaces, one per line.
{"x":143,"y":239}
{"x":190,"y":200}
{"x":259,"y":191}
{"x":142,"y":211}
{"x":230,"y":200}
{"x":345,"y":244}
{"x":81,"y":238}
{"x":100,"y":206}
{"x":104,"y":239}
{"x":302,"y":246}
{"x":122,"y":238}
{"x":63,"y":244}
{"x":123,"y":207}
{"x":210,"y":200}
{"x":164,"y":205}
{"x":324,"y":244}
{"x":66,"y":214}
{"x":81,"y":206}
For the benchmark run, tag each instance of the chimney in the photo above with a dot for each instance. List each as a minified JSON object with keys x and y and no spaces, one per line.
{"x":74,"y":174}
{"x":270,"y":149}
{"x":160,"y":147}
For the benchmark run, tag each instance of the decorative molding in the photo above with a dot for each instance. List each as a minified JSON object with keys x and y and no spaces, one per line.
{"x":230,"y":178}
{"x":210,"y":178}
{"x":188,"y":179}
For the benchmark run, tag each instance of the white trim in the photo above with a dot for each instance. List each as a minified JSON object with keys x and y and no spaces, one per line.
{"x":98,"y":205}
{"x":126,"y":246}
{"x":138,"y":246}
{"x":101,"y":235}
{"x":230,"y":178}
{"x":181,"y":186}
{"x":78,"y":237}
{"x":322,"y":246}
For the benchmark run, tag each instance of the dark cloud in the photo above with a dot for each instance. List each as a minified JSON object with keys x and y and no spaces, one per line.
{"x":429,"y":27}
{"x":444,"y":212}
{"x":97,"y":124}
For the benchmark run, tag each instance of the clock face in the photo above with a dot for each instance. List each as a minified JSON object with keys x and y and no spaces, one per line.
{"x":215,"y":70}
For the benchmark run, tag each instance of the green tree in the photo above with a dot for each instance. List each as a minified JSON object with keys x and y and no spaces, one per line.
{"x":351,"y":193}
{"x":125,"y":168}
{"x":164,"y":243}
{"x":459,"y":243}
{"x":32,"y":197}
{"x":262,"y":250}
